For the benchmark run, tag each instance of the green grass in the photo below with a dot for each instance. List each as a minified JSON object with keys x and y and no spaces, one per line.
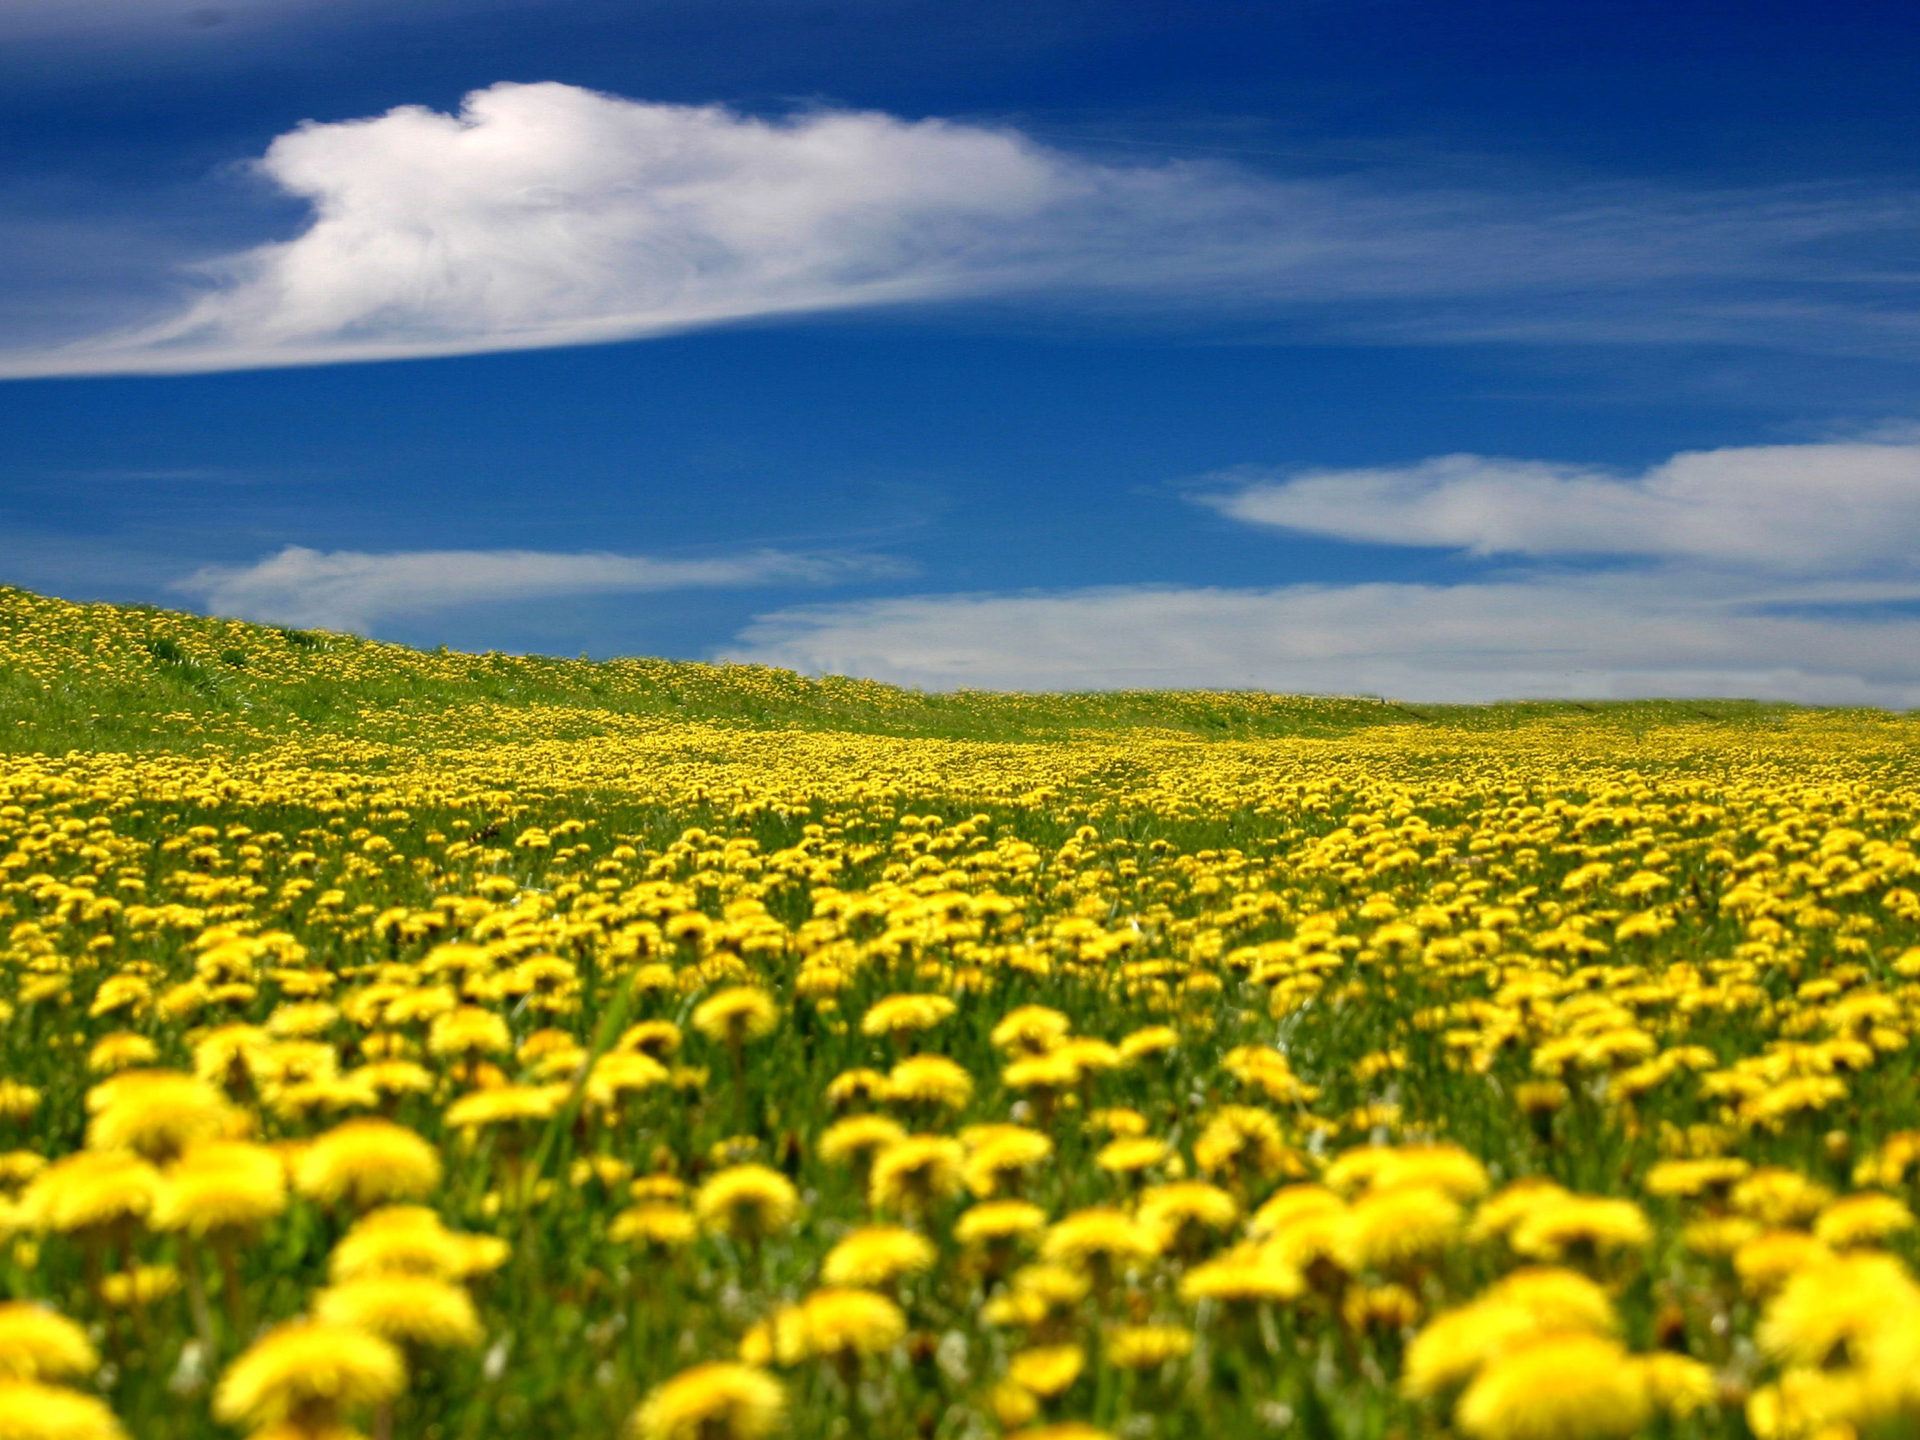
{"x":140,"y":679}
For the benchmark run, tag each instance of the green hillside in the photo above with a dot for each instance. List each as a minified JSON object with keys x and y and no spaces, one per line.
{"x":89,"y":676}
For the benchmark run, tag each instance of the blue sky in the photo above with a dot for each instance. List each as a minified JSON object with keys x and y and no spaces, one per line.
{"x":1441,"y":352}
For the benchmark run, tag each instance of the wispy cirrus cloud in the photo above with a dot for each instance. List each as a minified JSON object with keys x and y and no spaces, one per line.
{"x":546,"y":214}
{"x":355,"y":590}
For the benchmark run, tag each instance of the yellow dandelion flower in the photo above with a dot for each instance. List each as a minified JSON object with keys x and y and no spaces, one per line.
{"x":916,"y":1172}
{"x":366,"y":1162}
{"x":91,"y":1189}
{"x":1581,"y":1224}
{"x":665,"y":1227}
{"x":30,"y":1411}
{"x":156,"y":1113}
{"x":856,"y":1087}
{"x":113,"y":1053}
{"x":410,"y":1239}
{"x":1678,"y":1384}
{"x":1243,"y":1142}
{"x":1779,"y":1198}
{"x":930,"y":1080}
{"x":468,"y":1032}
{"x":37,"y":1344}
{"x":143,"y":1285}
{"x":1246,"y":1275}
{"x":1147,"y":1347}
{"x":1396,"y":1227}
{"x":1291,"y":1204}
{"x":849,"y":1321}
{"x":506,"y":1105}
{"x":1031,"y":1030}
{"x":219,"y":1185}
{"x":1002,"y":1157}
{"x":1768,"y":1261}
{"x":858,"y":1138}
{"x":1099,"y":1238}
{"x":899,"y":1016}
{"x":720,"y":1400}
{"x":877,"y":1255}
{"x":1185,"y":1213}
{"x":1863,"y":1219}
{"x":1149,"y":1043}
{"x":996,"y":1221}
{"x":1712,"y":1175}
{"x":311,"y":1372}
{"x":406,"y":1309}
{"x":1048,"y":1370}
{"x":1132,"y":1154}
{"x":736,"y":1015}
{"x":747,"y":1202}
{"x":1565,"y":1387}
{"x":1834,"y":1309}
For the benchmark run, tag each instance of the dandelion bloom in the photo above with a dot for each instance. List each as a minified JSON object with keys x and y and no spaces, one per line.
{"x":916,"y":1171}
{"x":1030,"y":1030}
{"x":930,"y":1080}
{"x":365,"y":1162}
{"x":155,"y":1113}
{"x":221,"y":1185}
{"x":91,"y":1189}
{"x":747,"y":1202}
{"x":850,"y":1321}
{"x":1244,"y":1276}
{"x":899,"y":1016}
{"x":999,"y":1220}
{"x":506,"y":1105}
{"x":1863,"y":1219}
{"x":858,"y":1138}
{"x":737,"y":1015}
{"x":45,"y":1412}
{"x":1838,"y":1308}
{"x":721,"y":1400}
{"x":1582,"y":1223}
{"x":1146,"y":1347}
{"x":662,"y":1226}
{"x":411,"y":1240}
{"x":877,"y":1255}
{"x":1048,"y":1370}
{"x":1187,"y":1211}
{"x":1394,"y":1227}
{"x":310,"y":1373}
{"x":1565,"y":1387}
{"x":1099,"y":1236}
{"x":999,"y":1159}
{"x":37,"y":1344}
{"x":406,"y":1309}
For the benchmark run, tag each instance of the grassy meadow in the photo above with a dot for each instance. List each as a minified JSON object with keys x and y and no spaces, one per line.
{"x":433,"y":1046}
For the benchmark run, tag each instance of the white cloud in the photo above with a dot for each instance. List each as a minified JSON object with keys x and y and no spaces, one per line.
{"x":545,"y":214}
{"x":1788,"y":572}
{"x":1779,"y":507}
{"x":1594,"y":637}
{"x":350,"y":590}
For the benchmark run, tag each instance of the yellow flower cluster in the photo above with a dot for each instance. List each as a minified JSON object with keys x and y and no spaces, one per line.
{"x":535,"y":1064}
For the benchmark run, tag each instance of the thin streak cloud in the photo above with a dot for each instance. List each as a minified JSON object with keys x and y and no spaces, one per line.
{"x":353,"y":590}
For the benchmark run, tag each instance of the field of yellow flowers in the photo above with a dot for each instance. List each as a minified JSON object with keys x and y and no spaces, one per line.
{"x":440,"y":1047}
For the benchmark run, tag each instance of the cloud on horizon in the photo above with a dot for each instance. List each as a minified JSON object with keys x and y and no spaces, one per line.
{"x":1775,"y":572}
{"x":352,"y":590}
{"x":546,"y":214}
{"x":1778,"y":507}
